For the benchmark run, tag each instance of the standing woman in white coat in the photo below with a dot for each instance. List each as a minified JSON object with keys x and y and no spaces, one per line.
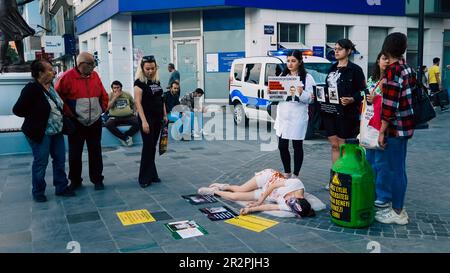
{"x":292,"y":115}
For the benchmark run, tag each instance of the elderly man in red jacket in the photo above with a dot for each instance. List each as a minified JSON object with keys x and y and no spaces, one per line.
{"x":85,"y":100}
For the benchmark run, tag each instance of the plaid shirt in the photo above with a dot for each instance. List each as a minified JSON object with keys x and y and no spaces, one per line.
{"x":398,"y":81}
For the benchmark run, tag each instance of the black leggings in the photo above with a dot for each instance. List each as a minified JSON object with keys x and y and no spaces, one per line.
{"x":283,"y":146}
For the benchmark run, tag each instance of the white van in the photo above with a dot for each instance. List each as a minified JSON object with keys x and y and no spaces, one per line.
{"x":249,"y":79}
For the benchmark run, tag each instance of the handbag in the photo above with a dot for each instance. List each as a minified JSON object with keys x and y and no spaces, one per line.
{"x":69,"y":127}
{"x":164,"y":138}
{"x":421,"y":104}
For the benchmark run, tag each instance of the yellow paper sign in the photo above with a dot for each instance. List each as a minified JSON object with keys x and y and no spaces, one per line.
{"x":135,"y":217}
{"x":251,"y":222}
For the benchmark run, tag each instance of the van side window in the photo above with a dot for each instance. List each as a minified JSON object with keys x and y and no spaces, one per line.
{"x":272,"y":70}
{"x":237,"y":72}
{"x":252,"y":73}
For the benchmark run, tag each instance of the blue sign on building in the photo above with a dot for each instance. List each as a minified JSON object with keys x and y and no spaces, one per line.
{"x":269,"y":29}
{"x":318,"y":51}
{"x":226,"y":58}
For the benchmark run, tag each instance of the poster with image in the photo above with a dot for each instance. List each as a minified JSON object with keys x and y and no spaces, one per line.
{"x":185,"y":229}
{"x":218,"y":213}
{"x":197,"y":199}
{"x":320,"y":94}
{"x":280,"y":88}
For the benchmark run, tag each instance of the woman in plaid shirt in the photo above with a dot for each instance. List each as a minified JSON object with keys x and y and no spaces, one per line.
{"x":397,"y":124}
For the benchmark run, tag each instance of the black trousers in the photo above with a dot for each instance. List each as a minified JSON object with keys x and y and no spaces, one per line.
{"x":113,"y":122}
{"x":147,"y":170}
{"x":92,"y":136}
{"x":283,"y":146}
{"x":434,"y":88}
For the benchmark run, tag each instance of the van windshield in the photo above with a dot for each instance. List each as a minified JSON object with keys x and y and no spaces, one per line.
{"x":318,"y":71}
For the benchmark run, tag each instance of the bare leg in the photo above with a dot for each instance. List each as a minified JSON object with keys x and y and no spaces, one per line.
{"x":236,"y":196}
{"x":248,"y":186}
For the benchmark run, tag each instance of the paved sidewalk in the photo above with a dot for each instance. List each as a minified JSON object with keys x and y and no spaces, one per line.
{"x":90,"y":218}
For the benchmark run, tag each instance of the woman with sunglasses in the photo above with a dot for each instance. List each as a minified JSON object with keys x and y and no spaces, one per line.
{"x":345,"y":81}
{"x":151,"y":112}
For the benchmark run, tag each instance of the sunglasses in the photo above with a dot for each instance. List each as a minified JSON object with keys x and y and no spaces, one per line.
{"x":149,"y":58}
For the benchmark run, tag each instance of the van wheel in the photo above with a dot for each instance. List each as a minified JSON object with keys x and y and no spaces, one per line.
{"x":240,"y":119}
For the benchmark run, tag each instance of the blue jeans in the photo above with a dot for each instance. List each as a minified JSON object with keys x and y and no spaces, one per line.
{"x":53,"y":146}
{"x":379,"y":163}
{"x":396,"y":166}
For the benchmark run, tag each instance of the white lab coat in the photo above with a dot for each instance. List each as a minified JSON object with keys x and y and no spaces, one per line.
{"x":292,"y":116}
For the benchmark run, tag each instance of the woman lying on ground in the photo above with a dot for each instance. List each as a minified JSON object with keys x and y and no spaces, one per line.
{"x":282,"y":193}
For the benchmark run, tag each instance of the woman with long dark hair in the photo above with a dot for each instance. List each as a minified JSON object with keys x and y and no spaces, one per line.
{"x":345,"y":81}
{"x":150,"y":107}
{"x":292,"y":115}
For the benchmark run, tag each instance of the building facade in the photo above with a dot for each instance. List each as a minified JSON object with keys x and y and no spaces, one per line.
{"x":202,"y":37}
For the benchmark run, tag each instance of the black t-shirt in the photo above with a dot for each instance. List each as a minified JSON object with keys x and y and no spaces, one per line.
{"x":349,"y":81}
{"x":152,"y":100}
{"x":171,"y":100}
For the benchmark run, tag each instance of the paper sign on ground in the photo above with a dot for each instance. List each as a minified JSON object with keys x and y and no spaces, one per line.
{"x":218,"y":213}
{"x":197,"y":199}
{"x":185,"y":229}
{"x":251,"y":222}
{"x":135,"y":217}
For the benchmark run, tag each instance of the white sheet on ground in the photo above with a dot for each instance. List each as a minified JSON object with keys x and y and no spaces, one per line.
{"x":315,"y":202}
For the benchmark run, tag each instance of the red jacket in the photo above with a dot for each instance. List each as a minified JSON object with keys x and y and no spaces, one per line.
{"x":84,"y":97}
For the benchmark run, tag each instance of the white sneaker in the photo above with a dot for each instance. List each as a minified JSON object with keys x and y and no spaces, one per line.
{"x":383,"y":211}
{"x":124,"y":143}
{"x":203,"y":132}
{"x":207,"y":190}
{"x":391,"y":217}
{"x":196,"y":135}
{"x":129,"y":141}
{"x":381,"y":204}
{"x":294,"y":176}
{"x":220,"y":186}
{"x":327,"y":186}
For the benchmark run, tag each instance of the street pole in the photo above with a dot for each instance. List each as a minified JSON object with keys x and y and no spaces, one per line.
{"x":420,"y":45}
{"x":420,"y":55}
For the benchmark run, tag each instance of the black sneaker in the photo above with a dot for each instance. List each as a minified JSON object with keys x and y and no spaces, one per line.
{"x":444,"y":109}
{"x":67,"y":192}
{"x":40,"y":198}
{"x":144,"y":185}
{"x":156,"y":180}
{"x":99,"y":186}
{"x":74,"y":186}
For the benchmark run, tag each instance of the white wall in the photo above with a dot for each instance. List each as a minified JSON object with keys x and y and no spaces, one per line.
{"x":119,"y":50}
{"x":359,"y":32}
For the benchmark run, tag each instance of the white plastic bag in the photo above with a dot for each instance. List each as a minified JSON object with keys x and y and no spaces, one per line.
{"x":368,"y":135}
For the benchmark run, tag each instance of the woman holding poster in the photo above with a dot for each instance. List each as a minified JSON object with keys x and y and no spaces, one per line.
{"x":345,"y":81}
{"x":292,"y":115}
